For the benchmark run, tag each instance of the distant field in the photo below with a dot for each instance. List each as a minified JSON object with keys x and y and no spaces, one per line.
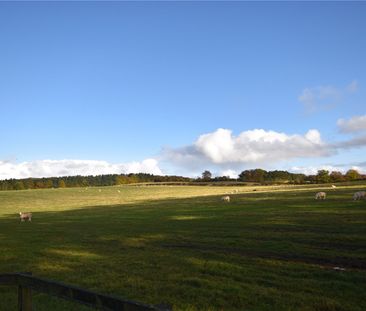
{"x":270,"y":248}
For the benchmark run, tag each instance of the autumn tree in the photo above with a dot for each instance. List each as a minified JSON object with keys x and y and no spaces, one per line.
{"x":336,"y":176}
{"x":257,"y":175}
{"x":19,"y":185}
{"x":206,"y":175}
{"x":352,"y":175}
{"x":61,"y":183}
{"x":322,"y":176}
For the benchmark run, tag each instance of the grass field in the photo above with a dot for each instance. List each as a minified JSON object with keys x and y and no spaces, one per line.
{"x":270,"y":249}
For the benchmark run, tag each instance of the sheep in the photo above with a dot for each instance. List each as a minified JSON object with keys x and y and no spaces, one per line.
{"x":339,"y":269}
{"x":333,"y":186}
{"x":225,"y":198}
{"x":25,"y":216}
{"x":320,"y":195}
{"x":359,"y":195}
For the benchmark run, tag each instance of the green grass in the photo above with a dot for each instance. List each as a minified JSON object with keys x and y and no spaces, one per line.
{"x":270,"y":249}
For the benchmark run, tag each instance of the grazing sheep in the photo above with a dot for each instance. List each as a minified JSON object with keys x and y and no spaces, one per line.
{"x":25,"y":216}
{"x":333,"y":186}
{"x":320,"y":196}
{"x":359,"y":195}
{"x":225,"y":198}
{"x":339,"y":269}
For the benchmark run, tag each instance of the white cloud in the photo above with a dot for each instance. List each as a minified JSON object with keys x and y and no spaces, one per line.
{"x":230,"y":173}
{"x":257,"y":146}
{"x":313,"y":136}
{"x":322,"y":98}
{"x":54,"y":168}
{"x":354,"y":124}
{"x":217,"y":146}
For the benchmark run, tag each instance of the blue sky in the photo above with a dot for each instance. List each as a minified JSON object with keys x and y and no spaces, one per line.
{"x":180,"y":87}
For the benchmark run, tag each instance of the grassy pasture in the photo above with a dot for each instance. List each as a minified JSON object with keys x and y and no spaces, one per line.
{"x":270,"y":249}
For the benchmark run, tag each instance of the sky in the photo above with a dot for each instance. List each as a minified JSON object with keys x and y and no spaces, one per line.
{"x":90,"y":88}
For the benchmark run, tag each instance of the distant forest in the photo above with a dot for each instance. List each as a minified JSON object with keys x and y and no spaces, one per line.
{"x":258,"y":176}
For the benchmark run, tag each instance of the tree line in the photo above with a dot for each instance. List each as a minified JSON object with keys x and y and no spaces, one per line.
{"x":86,"y":181}
{"x":254,"y":175}
{"x":269,"y":177}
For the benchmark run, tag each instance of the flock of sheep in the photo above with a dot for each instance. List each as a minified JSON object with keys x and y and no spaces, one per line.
{"x":356,"y":196}
{"x":318,"y":196}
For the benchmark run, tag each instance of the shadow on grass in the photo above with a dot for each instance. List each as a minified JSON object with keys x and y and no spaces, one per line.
{"x":198,"y":253}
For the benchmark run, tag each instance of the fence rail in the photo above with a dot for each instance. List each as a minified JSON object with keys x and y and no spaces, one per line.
{"x":27,"y":283}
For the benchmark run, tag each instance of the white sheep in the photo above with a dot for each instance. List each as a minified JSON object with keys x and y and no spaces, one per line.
{"x":320,"y":196}
{"x":25,"y":216}
{"x":333,"y":186}
{"x":359,"y":195}
{"x":225,"y":198}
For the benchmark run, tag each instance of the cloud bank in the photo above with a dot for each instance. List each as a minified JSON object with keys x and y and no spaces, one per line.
{"x":257,"y":146}
{"x":224,"y":152}
{"x":56,"y":168}
{"x":220,"y":151}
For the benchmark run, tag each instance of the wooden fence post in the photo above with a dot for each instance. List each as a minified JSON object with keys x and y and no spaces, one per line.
{"x":25,"y":297}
